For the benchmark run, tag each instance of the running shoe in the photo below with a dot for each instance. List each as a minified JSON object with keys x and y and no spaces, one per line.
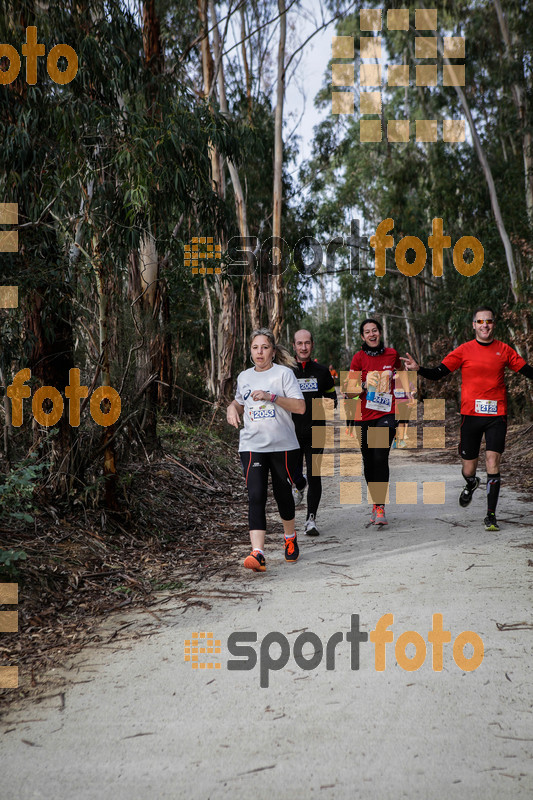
{"x":380,"y":519}
{"x":255,"y":561}
{"x":298,"y":494}
{"x":291,"y":549}
{"x":402,"y":443}
{"x":466,"y":495}
{"x":491,"y":523}
{"x":373,"y":514}
{"x":310,"y":526}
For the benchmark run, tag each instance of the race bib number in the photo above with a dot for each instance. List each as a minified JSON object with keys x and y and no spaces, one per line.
{"x":308,"y":384}
{"x":263,"y":413}
{"x":486,"y":406}
{"x":379,"y":401}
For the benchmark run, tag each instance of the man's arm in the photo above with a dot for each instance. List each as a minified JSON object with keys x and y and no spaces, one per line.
{"x":527,"y":370}
{"x":331,"y":394}
{"x":432,"y":373}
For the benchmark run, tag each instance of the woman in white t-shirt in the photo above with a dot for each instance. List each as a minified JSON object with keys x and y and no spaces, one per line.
{"x":267,"y":394}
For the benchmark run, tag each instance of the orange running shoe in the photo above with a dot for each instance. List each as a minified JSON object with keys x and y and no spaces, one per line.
{"x":380,"y":519}
{"x":255,"y":561}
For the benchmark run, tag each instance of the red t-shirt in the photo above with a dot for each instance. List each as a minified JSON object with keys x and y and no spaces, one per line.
{"x":482,"y":368}
{"x":382,"y":391}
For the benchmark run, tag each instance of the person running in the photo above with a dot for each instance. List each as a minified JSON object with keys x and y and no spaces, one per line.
{"x":315,"y":381}
{"x":267,"y":394}
{"x":482,"y":362}
{"x":373,"y":368}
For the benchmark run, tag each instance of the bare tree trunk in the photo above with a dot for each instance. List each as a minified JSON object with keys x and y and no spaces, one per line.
{"x":50,"y":360}
{"x":104,"y":295}
{"x":520,"y":100}
{"x":276,"y":320}
{"x":245,"y":63}
{"x":485,"y":166}
{"x":252,"y":283}
{"x":211,"y":381}
{"x":223,"y":348}
{"x":8,"y":427}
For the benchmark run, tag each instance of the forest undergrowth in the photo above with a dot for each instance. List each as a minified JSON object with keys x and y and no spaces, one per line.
{"x":180,"y":515}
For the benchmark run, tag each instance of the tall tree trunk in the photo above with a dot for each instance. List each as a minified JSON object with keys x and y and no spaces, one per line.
{"x":276,"y":320}
{"x":51,"y":358}
{"x":153,"y":358}
{"x":247,"y":75}
{"x":105,"y":292}
{"x":252,"y":282}
{"x":487,"y":172}
{"x":519,"y":93}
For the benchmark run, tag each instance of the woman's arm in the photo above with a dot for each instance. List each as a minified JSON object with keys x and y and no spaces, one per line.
{"x":292,"y":404}
{"x":234,"y":413}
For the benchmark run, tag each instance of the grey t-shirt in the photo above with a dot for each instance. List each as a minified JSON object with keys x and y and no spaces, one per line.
{"x":267,"y":427}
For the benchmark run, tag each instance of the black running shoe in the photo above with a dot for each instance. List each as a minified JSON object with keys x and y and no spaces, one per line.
{"x":491,"y":523}
{"x":466,"y":495}
{"x":292,"y":550}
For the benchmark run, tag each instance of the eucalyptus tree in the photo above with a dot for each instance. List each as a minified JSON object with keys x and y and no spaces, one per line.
{"x":93,"y":166}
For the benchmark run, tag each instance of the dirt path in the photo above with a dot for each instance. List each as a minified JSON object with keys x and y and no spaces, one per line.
{"x":131,"y":719}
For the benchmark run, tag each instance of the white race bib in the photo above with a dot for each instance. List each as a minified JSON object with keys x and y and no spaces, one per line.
{"x":308,"y":384}
{"x":263,"y":413}
{"x":486,"y":406}
{"x":379,"y":401}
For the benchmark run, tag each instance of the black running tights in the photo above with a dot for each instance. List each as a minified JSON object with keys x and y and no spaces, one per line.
{"x":256,"y":466}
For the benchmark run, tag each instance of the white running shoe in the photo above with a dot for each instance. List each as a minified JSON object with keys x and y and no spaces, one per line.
{"x":298,"y":494}
{"x":310,"y":526}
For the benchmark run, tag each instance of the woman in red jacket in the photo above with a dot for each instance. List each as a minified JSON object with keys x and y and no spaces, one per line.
{"x":373,"y":369}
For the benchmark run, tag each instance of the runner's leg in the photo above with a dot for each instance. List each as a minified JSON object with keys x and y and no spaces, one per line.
{"x":495,"y":441}
{"x":314,"y":492}
{"x":472,"y":429}
{"x":255,"y":467}
{"x":299,"y":480}
{"x":376,"y":459}
{"x":282,"y":468}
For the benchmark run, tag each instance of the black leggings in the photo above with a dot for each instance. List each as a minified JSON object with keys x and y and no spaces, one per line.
{"x":314,"y":482}
{"x":376,"y":459}
{"x":256,"y":466}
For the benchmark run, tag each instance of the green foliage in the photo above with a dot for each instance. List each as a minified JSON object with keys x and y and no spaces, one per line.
{"x":16,"y":492}
{"x":8,"y":562}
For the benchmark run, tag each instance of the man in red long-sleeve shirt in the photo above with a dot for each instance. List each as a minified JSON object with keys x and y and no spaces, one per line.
{"x":482,"y":362}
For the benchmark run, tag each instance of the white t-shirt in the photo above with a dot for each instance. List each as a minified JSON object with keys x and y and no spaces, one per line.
{"x":267,"y":427}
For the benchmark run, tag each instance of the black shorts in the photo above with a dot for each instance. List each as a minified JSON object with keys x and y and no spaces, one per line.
{"x":472,"y":430}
